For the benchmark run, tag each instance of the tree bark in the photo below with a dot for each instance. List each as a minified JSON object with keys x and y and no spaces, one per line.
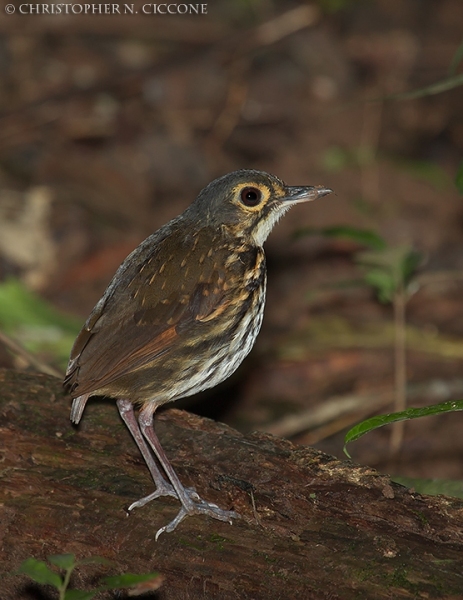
{"x":311,"y":527}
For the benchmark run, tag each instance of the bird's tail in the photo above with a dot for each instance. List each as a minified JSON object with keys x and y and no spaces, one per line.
{"x":77,"y":408}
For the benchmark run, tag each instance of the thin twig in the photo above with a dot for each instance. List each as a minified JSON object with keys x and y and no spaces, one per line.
{"x":16,"y":348}
{"x":399,"y":303}
{"x":331,"y":408}
{"x":337,"y":407}
{"x":230,"y":115}
{"x":369,"y":141}
{"x":289,"y":22}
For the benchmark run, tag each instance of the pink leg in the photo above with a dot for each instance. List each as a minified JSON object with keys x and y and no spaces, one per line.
{"x":191,"y":503}
{"x":163,"y":488}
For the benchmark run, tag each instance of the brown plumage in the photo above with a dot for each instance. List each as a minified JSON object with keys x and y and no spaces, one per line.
{"x":181,"y":313}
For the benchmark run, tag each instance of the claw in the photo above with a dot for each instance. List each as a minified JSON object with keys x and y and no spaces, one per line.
{"x":164,"y":490}
{"x":200,"y":508}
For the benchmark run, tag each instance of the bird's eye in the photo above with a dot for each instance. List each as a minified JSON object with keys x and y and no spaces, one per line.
{"x":251,"y":196}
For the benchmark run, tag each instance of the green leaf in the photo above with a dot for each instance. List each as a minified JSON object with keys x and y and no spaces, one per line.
{"x":34,"y":323}
{"x":459,"y":178}
{"x":335,"y":159}
{"x":333,"y":6}
{"x":449,"y":83}
{"x":432,"y":487}
{"x":411,"y":413}
{"x":40,"y":572}
{"x":390,"y":269}
{"x":425,"y":170}
{"x":411,"y":260}
{"x":79,"y":595}
{"x":366,"y":237}
{"x":63,"y":561}
{"x":94,"y":560}
{"x":383,"y":284}
{"x":129,"y":580}
{"x":18,"y":305}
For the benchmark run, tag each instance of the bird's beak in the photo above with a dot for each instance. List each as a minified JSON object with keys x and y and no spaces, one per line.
{"x":296,"y":194}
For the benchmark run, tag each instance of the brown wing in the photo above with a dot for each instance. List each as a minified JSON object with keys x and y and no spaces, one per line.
{"x":161,"y":294}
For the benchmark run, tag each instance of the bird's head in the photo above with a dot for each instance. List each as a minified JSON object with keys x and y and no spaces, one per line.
{"x":248,"y":203}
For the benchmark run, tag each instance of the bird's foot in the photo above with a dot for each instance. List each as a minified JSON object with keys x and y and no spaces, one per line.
{"x":164,"y":489}
{"x":199,"y":507}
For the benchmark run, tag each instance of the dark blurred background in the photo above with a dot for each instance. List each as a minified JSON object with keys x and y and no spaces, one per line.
{"x":111,"y":124}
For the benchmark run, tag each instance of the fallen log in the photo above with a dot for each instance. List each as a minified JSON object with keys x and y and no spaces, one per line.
{"x":311,"y":527}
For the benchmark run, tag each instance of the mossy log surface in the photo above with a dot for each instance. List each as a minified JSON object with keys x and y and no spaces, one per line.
{"x":312,"y":526}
